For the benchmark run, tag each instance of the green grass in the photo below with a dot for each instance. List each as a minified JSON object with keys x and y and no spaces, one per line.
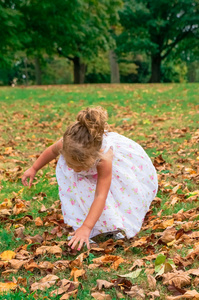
{"x":153,"y":115}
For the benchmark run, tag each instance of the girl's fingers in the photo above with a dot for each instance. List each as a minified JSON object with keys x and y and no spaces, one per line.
{"x":80,"y":245}
{"x":71,"y":241}
{"x":87,"y":244}
{"x":24,"y":180}
{"x":72,"y":233}
{"x":76,"y":241}
{"x":25,"y":183}
{"x":30,"y":182}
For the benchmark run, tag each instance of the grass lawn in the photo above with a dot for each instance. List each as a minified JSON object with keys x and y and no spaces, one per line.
{"x":163,"y":119}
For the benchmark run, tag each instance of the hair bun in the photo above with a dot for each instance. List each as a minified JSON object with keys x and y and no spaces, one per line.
{"x":94,"y":119}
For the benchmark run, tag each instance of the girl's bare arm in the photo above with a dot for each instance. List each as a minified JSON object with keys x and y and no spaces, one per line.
{"x":47,"y":155}
{"x":81,"y":235}
{"x":103,"y":185}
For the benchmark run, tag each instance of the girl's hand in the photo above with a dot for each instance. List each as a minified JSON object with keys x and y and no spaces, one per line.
{"x":81,"y":236}
{"x":30,"y":173}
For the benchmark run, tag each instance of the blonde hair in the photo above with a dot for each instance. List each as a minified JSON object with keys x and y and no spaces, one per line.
{"x":82,"y":140}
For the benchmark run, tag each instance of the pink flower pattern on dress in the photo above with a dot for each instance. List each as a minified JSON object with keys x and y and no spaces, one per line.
{"x":72,"y":201}
{"x":117,"y":204}
{"x":78,"y":221}
{"x":106,"y":207}
{"x":141,"y":167}
{"x":129,"y":211}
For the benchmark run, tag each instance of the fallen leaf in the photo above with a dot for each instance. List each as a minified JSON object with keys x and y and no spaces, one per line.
{"x":19,"y":232}
{"x":6,"y":204}
{"x":22,"y":281}
{"x":56,"y":250}
{"x":16,"y":263}
{"x":20,"y":207}
{"x":119,"y":295}
{"x":34,"y":239}
{"x":106,"y":259}
{"x":178,"y":278}
{"x":101,"y":296}
{"x":77,"y":273}
{"x":151,"y":282}
{"x":133,"y":274}
{"x":136,"y":292}
{"x":104,"y":284}
{"x":7,"y":255}
{"x":116,"y":264}
{"x":93,"y":266}
{"x":5,"y":212}
{"x":193,"y":272}
{"x":196,"y":281}
{"x":31,"y":265}
{"x":7,"y":286}
{"x":61,"y":264}
{"x":122,"y":283}
{"x":168,"y":235}
{"x":69,"y":294}
{"x":164,"y":224}
{"x":38,"y":221}
{"x":154,"y":295}
{"x":137,"y":263}
{"x":190,"y":294}
{"x":176,"y":188}
{"x":44,"y":283}
{"x":8,"y":272}
{"x":140,"y":242}
{"x":66,"y":285}
{"x":176,"y":291}
{"x":42,"y":209}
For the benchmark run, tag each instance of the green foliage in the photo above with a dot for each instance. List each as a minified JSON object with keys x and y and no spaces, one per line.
{"x":174,"y":71}
{"x":33,"y":33}
{"x":52,"y":27}
{"x":157,"y":27}
{"x":9,"y":28}
{"x":58,"y":70}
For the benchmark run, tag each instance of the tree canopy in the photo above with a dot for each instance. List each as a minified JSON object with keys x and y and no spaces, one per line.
{"x":82,"y":30}
{"x":156,"y":27}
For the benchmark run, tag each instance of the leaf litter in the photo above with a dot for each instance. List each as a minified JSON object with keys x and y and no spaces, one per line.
{"x":169,"y":239}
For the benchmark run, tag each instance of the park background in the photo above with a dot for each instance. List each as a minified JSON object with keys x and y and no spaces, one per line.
{"x":89,"y":41}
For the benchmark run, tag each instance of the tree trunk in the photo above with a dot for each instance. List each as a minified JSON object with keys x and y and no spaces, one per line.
{"x":38,"y":73}
{"x":26,"y":70}
{"x":115,"y":74}
{"x":79,"y":70}
{"x":192,"y":71}
{"x":155,"y":68}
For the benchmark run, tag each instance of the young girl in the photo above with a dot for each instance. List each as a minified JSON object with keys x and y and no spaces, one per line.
{"x":106,"y":181}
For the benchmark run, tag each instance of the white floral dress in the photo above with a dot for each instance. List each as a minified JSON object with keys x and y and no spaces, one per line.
{"x":133,"y":187}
